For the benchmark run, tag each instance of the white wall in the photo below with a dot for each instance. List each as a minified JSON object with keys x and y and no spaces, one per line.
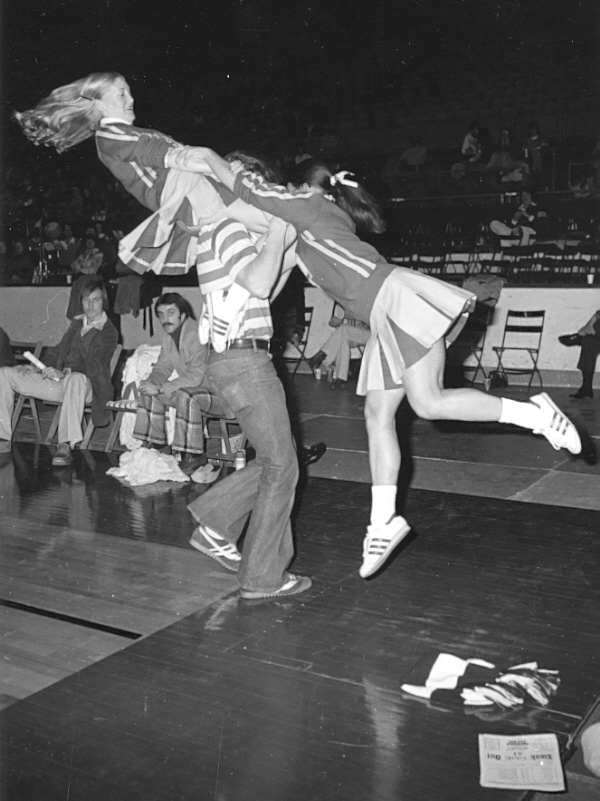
{"x":38,"y":313}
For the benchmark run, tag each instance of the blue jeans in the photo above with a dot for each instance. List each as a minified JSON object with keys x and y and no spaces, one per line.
{"x":247,"y":383}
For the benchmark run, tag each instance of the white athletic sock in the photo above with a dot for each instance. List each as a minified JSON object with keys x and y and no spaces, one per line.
{"x":383,"y":504}
{"x":519,"y":413}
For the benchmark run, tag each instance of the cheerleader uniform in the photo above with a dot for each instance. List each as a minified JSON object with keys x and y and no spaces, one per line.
{"x":137,"y":158}
{"x":407,"y":311}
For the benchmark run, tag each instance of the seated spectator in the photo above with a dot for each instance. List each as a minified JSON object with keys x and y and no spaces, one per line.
{"x":528,"y":222}
{"x":504,"y":157}
{"x":530,"y":215}
{"x":409,"y":160}
{"x":534,"y":149}
{"x":476,"y":149}
{"x":21,"y":265}
{"x":77,"y":372}
{"x":471,"y":146}
{"x":68,"y":248}
{"x":335,"y":353}
{"x":415,"y":155}
{"x":588,"y":338}
{"x":181,"y":352}
{"x":51,"y":246}
{"x":301,"y":154}
{"x":89,"y":259}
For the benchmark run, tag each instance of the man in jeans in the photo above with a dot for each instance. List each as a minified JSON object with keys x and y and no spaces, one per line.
{"x":241,"y":373}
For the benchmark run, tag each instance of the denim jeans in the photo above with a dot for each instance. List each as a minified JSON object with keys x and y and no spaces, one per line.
{"x":247,"y":383}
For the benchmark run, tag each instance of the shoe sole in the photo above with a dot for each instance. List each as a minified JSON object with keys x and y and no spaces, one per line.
{"x":558,"y":411}
{"x":303,"y":584}
{"x":394,"y":542}
{"x":233,"y":566}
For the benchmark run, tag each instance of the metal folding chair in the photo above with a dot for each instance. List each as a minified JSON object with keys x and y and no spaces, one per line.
{"x":299,"y":349}
{"x":18,"y":349}
{"x":521,"y":341}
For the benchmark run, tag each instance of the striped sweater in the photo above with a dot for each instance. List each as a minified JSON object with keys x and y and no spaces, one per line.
{"x":230,"y":312}
{"x":329,"y":252}
{"x":136,"y":158}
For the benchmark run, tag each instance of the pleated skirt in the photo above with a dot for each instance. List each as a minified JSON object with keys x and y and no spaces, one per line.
{"x":411,"y":312}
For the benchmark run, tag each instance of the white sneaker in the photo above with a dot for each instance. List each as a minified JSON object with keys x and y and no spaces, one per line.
{"x":555,"y":426}
{"x":380,"y":542}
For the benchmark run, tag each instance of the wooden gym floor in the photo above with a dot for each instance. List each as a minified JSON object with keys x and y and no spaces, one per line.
{"x":132,"y":670}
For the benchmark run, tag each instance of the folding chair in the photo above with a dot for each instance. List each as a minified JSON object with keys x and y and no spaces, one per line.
{"x":128,"y":404}
{"x":300,"y":347}
{"x":89,"y":430}
{"x":521,"y":339}
{"x":18,"y":349}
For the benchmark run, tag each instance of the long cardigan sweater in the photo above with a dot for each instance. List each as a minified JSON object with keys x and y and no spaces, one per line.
{"x":95,"y":352}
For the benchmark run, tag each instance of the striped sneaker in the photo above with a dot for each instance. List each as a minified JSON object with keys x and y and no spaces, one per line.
{"x":380,"y":542}
{"x":555,"y":426}
{"x":211,"y":544}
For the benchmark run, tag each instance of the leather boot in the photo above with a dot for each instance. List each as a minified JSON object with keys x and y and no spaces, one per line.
{"x":317,"y":359}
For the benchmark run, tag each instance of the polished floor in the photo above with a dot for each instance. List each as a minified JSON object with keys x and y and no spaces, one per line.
{"x":132,"y":670}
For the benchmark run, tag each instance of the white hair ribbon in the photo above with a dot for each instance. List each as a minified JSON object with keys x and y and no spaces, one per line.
{"x":340,"y":178}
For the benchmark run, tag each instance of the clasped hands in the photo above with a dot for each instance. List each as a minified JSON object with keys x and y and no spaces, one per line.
{"x":148,"y":389}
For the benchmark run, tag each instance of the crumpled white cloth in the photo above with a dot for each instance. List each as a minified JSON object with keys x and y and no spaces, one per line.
{"x":145,"y":466}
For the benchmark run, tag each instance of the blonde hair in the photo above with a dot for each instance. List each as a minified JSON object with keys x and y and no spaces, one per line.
{"x":69,"y":114}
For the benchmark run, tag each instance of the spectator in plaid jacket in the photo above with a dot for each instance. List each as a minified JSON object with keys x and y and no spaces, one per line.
{"x":180,"y":366}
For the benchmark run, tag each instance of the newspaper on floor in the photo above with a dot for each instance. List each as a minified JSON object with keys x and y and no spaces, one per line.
{"x":527,"y":762}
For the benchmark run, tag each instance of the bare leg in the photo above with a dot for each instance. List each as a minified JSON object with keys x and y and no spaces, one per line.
{"x":384,"y":452}
{"x":424,"y":384}
{"x":425,"y":391}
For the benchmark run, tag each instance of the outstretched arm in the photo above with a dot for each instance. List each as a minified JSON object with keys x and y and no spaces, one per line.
{"x":299,"y":209}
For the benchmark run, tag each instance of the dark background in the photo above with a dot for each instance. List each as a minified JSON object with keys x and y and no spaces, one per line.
{"x":188,"y":59}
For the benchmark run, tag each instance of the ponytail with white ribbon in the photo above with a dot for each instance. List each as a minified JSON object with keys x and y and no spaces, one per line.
{"x":341,"y":178}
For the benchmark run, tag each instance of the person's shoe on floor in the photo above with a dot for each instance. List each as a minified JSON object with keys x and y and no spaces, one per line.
{"x":582,"y":393}
{"x":312,"y":453}
{"x":555,"y":426}
{"x":379,"y":543}
{"x":570,"y":339}
{"x":211,"y":544}
{"x":339,"y":383}
{"x":293,"y":585}
{"x":191,"y":462}
{"x":62,"y":457}
{"x":206,"y":474}
{"x":316,"y":360}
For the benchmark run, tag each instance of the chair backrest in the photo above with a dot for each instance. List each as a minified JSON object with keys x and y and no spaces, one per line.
{"x":18,"y":348}
{"x":114,"y":360}
{"x":523,"y":329}
{"x":308,"y":315}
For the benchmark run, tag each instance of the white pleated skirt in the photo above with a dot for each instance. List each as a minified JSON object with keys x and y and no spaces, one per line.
{"x":412,"y":311}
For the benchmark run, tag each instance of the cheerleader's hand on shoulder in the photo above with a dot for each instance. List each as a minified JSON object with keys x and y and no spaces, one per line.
{"x":236,"y":167}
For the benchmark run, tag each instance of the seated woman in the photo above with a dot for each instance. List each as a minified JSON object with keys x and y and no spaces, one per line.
{"x":77,"y":372}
